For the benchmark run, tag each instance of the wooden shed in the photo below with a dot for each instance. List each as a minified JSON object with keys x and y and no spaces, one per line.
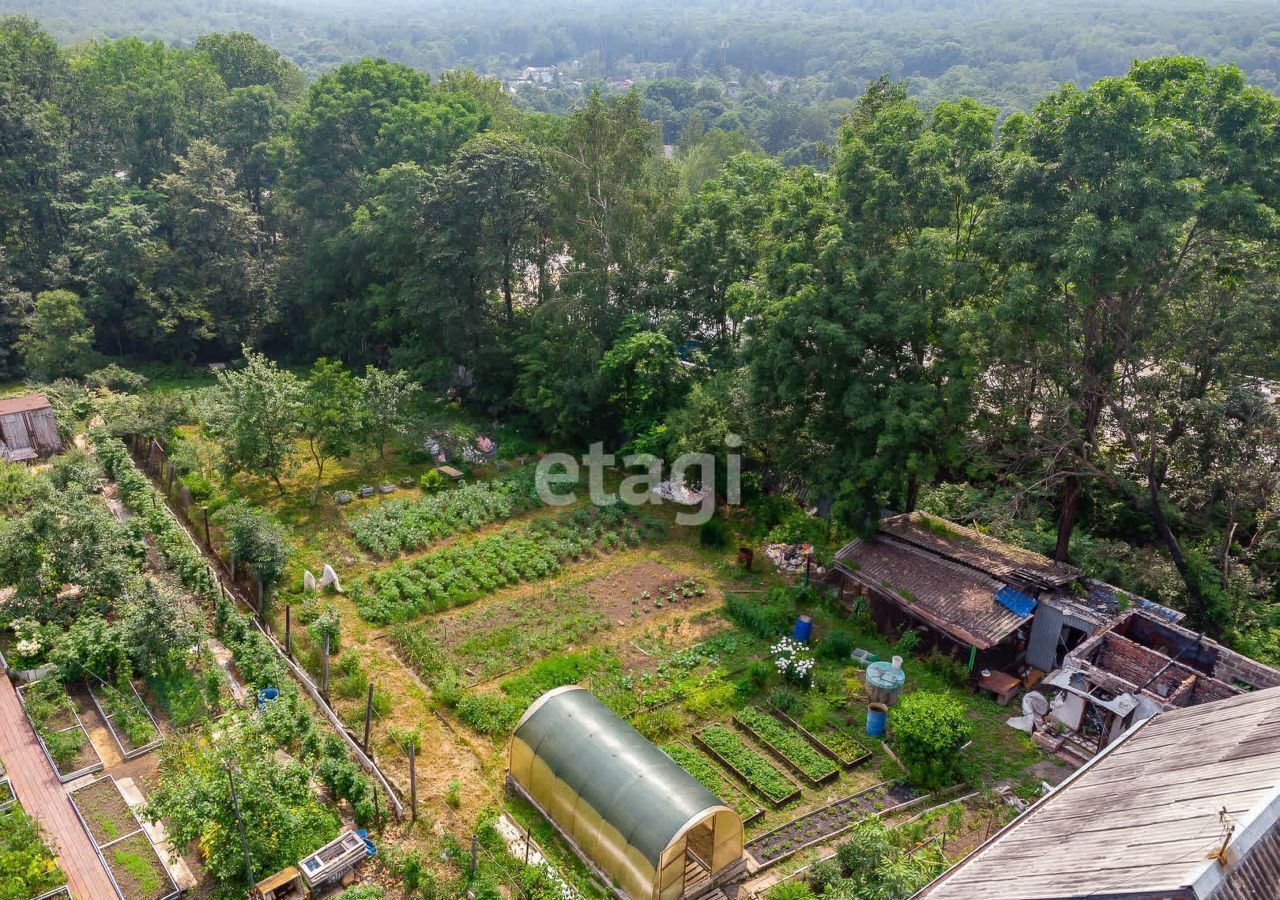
{"x":28,"y":428}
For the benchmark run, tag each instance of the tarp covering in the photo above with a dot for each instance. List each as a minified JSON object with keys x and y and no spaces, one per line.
{"x":1015,"y":601}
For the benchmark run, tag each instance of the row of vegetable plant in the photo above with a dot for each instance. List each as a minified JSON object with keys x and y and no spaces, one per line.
{"x":705,"y":773}
{"x":144,"y":501}
{"x":787,"y":743}
{"x":404,"y":525}
{"x":458,"y":574}
{"x":750,"y":765}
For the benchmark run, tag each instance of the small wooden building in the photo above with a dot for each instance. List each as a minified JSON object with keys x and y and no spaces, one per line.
{"x":28,"y":428}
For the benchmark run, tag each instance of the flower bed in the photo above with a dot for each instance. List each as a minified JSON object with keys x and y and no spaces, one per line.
{"x":456,"y":575}
{"x":403,"y":525}
{"x":834,"y":742}
{"x":787,"y":744}
{"x":827,"y":822}
{"x":62,"y":736}
{"x":131,"y":724}
{"x":730,"y":751}
{"x":711,"y":778}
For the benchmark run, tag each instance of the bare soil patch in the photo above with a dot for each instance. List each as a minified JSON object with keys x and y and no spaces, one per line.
{"x":105,"y":811}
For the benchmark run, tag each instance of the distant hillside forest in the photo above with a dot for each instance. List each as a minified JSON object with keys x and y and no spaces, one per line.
{"x":782,"y":72}
{"x":1061,"y":324}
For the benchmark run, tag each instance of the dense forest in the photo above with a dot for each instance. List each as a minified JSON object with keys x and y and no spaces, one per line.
{"x":1061,"y":323}
{"x":781,"y":72}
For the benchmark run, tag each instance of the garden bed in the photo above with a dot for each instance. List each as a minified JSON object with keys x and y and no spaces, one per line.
{"x":706,"y":773}
{"x":7,"y":797}
{"x":836,"y":743}
{"x":133,"y":861}
{"x":747,"y":765}
{"x":63,"y":737}
{"x":459,"y":573}
{"x":828,"y":821}
{"x":787,"y":745}
{"x":138,"y":872}
{"x":104,"y":811}
{"x":127,"y":717}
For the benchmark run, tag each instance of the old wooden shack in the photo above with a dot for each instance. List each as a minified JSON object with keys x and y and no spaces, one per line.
{"x":28,"y":428}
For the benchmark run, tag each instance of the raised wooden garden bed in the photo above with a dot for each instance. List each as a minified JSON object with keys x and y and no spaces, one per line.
{"x":65,"y":723}
{"x":706,"y":773}
{"x":8,"y":799}
{"x":836,"y":743}
{"x":712,"y":734}
{"x":112,"y":705}
{"x":787,"y":746}
{"x":829,"y":821}
{"x":134,"y":863}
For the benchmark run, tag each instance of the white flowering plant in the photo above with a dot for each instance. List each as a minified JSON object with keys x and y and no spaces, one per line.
{"x":793,"y":661}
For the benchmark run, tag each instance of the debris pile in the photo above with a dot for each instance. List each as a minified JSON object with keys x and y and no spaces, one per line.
{"x":791,"y":557}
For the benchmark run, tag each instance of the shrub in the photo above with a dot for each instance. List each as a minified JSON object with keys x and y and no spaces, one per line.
{"x":27,"y":865}
{"x":362,"y":892}
{"x":928,"y":731}
{"x":453,"y":793}
{"x":789,"y":890}
{"x":432,"y":481}
{"x":908,"y":642}
{"x":948,"y":669}
{"x":765,"y":615}
{"x":711,"y":533}
{"x":836,"y":645}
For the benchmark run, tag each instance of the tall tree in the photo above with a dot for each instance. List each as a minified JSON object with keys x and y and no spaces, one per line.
{"x":331,"y":414}
{"x":1120,"y":202}
{"x":58,"y":341}
{"x":254,"y":418}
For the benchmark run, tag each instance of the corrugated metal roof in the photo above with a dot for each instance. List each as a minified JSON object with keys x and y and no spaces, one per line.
{"x":953,"y":597}
{"x":1142,"y":817}
{"x":629,"y":782}
{"x":25,"y":403}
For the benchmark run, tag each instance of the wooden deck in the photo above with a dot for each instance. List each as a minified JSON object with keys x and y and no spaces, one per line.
{"x":44,"y":798}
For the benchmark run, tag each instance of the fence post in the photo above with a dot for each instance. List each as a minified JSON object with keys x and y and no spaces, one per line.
{"x":413,"y":784}
{"x":475,"y":852}
{"x":324,"y":669}
{"x":288,"y":631}
{"x":208,"y":541}
{"x":368,"y":718}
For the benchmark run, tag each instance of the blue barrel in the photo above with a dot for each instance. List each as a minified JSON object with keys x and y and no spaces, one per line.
{"x":363,"y":834}
{"x":877,"y":717}
{"x":266,"y":695}
{"x":804,"y":628}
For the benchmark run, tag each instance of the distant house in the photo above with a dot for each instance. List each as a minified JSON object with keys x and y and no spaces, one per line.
{"x":1105,"y":657}
{"x":1000,"y":603}
{"x":968,"y":590}
{"x":1184,"y":806}
{"x":28,"y":428}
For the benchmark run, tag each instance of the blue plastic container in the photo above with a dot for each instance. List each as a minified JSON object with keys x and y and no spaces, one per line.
{"x":877,"y":719}
{"x":803,"y":629}
{"x":363,"y":834}
{"x":266,"y":695}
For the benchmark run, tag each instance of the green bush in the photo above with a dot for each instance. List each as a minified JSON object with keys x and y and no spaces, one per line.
{"x":765,"y":615}
{"x":789,"y":890}
{"x":711,"y":533}
{"x":27,"y":865}
{"x":928,"y":731}
{"x":432,"y":481}
{"x":836,"y":645}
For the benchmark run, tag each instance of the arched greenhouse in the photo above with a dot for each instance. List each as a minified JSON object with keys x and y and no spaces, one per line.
{"x":637,"y":817}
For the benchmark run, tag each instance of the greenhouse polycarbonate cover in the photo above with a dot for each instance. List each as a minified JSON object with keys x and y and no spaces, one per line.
{"x":627,"y":780}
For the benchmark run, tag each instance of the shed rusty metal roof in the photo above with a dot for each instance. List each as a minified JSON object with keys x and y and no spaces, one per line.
{"x":24,"y":403}
{"x":1141,"y":819}
{"x":948,"y":595}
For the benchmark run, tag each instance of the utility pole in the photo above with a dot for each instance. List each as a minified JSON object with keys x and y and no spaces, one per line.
{"x":244,"y":842}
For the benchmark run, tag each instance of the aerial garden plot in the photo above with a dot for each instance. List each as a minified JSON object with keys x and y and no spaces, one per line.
{"x":461,"y":601}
